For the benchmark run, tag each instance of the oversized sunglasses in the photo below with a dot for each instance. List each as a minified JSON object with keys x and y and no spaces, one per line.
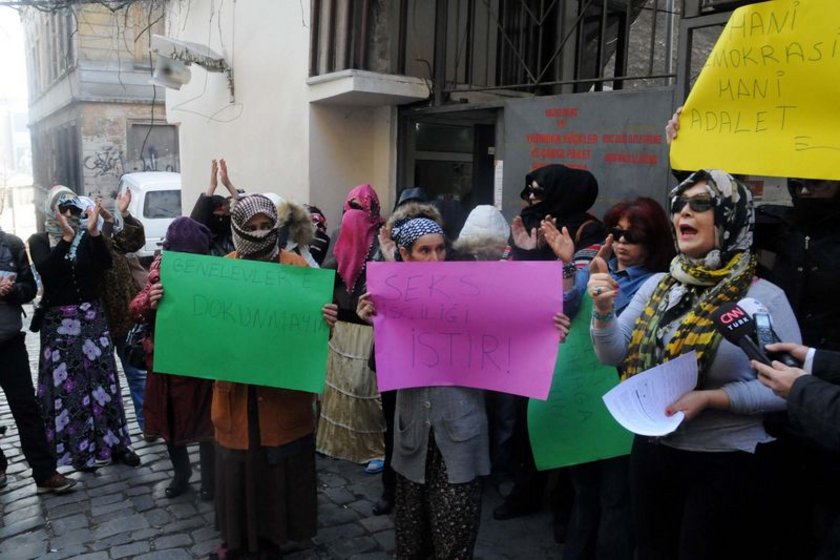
{"x":628,"y":235}
{"x":700,"y":203}
{"x":74,"y":210}
{"x":536,"y":191}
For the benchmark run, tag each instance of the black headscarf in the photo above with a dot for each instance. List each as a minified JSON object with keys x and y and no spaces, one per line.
{"x":219,"y":224}
{"x":569,"y":193}
{"x":815,"y":215}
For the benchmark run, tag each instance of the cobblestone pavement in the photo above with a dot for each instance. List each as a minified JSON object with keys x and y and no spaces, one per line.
{"x":121,"y":512}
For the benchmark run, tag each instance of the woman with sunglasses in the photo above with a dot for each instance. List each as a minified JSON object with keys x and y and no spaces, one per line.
{"x":638,"y":239}
{"x":78,"y":386}
{"x":562,"y":195}
{"x":701,"y":491}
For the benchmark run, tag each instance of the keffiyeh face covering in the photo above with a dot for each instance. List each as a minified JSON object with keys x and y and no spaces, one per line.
{"x":254,"y":245}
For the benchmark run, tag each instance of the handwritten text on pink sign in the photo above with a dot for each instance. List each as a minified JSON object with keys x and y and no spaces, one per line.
{"x":486,"y":325}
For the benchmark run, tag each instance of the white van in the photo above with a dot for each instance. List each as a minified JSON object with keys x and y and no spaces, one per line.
{"x":155,"y":201}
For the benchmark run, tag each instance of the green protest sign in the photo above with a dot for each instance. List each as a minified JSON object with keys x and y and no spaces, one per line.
{"x":244,"y":321}
{"x":573,"y":425}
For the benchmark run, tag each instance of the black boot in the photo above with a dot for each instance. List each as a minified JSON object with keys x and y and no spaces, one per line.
{"x":181,"y":465}
{"x":207,"y":462}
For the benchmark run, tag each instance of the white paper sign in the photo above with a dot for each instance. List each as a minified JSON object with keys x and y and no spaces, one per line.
{"x":639,"y":403}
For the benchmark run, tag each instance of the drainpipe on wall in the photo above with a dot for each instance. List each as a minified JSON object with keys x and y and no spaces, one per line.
{"x":669,"y":38}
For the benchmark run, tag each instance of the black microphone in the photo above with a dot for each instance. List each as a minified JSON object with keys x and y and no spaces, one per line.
{"x":764,"y":332}
{"x":735,"y":324}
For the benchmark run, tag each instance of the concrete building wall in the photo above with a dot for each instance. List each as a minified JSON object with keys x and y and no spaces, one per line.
{"x":350,"y":146}
{"x":271,"y":136}
{"x":264,"y":134}
{"x":55,"y":150}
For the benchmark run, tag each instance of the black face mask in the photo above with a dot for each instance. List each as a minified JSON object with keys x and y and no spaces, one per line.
{"x":815,"y":211}
{"x":219,"y":224}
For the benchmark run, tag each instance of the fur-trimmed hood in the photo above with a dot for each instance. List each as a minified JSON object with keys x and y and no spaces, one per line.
{"x":294,"y":219}
{"x":481,"y":248}
{"x":300,"y":224}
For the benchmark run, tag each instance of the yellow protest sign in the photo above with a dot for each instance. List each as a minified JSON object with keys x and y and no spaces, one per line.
{"x":767,"y":101}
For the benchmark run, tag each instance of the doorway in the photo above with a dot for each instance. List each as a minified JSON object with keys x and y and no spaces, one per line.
{"x":452,"y":156}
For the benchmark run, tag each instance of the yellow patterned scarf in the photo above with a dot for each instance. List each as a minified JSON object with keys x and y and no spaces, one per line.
{"x":694,"y":289}
{"x":696,"y":330}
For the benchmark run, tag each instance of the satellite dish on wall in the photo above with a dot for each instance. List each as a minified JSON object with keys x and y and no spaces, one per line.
{"x":170,"y":73}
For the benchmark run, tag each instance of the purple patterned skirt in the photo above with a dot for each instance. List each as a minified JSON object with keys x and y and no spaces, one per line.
{"x":78,"y":387}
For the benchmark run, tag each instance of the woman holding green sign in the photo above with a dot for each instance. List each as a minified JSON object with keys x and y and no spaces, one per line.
{"x":177,"y":407}
{"x":637,"y":245}
{"x":265,"y":457}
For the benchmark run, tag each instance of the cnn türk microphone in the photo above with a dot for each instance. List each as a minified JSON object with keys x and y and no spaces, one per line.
{"x":764,"y":332}
{"x":737,"y":327}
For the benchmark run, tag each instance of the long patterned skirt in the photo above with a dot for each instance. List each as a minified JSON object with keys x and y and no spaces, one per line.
{"x":437,"y":519}
{"x":351,"y":425}
{"x":78,"y":387}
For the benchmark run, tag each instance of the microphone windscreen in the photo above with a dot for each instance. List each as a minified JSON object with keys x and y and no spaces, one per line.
{"x":733,"y":322}
{"x":752,"y":306}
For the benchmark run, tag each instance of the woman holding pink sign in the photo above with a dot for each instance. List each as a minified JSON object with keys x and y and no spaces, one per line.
{"x":441,"y":445}
{"x":701,"y":491}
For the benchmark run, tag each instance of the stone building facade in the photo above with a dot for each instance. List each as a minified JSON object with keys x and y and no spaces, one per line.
{"x":92,"y":113}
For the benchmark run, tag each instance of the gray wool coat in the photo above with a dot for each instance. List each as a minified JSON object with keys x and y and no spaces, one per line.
{"x":459,"y":420}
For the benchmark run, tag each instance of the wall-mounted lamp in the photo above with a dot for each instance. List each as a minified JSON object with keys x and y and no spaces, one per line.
{"x":174,"y":56}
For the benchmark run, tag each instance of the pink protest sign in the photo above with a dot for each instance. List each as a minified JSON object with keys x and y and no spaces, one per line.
{"x":486,"y":325}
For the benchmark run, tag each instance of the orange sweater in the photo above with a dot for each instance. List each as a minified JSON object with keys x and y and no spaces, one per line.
{"x":285,"y":415}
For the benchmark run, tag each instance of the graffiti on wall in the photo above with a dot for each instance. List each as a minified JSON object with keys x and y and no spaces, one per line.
{"x":151,"y":161}
{"x":152,"y":147}
{"x":107,"y":161}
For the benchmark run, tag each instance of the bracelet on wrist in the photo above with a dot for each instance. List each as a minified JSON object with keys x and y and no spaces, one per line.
{"x":569,"y":270}
{"x":604,"y":318}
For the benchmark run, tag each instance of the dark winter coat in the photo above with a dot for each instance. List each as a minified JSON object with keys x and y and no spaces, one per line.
{"x":13,"y":261}
{"x":814,"y":402}
{"x":66,"y":282}
{"x":803,"y":259}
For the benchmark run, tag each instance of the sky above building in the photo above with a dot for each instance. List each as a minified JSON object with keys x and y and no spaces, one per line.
{"x":12,"y":60}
